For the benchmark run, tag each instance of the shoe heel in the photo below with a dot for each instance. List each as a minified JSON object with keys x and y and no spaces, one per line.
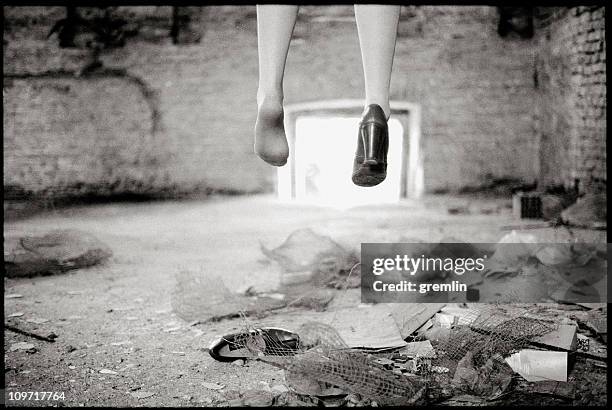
{"x":373,"y":140}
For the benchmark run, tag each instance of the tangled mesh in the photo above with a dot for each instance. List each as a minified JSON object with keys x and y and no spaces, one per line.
{"x":490,"y":330}
{"x":483,"y":338}
{"x":322,"y":355}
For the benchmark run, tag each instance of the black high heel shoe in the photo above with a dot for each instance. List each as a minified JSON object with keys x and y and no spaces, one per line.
{"x":370,"y":164}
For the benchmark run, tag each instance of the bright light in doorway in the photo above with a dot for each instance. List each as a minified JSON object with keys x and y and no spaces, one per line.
{"x":324,"y":151}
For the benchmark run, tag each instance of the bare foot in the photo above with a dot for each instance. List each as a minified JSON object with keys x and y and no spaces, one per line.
{"x":270,"y":139}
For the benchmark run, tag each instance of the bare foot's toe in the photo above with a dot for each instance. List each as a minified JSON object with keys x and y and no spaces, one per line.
{"x":270,"y":139}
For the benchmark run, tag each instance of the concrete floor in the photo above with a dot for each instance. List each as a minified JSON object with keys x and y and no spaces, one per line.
{"x":119,"y":316}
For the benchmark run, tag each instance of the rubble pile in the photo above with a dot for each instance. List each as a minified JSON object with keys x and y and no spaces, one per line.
{"x":485,"y":352}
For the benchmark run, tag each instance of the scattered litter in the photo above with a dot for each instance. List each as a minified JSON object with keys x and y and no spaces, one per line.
{"x":589,"y":211}
{"x":204,"y":298}
{"x":13,"y":296}
{"x":418,"y":349}
{"x":253,"y":398}
{"x":324,"y":357}
{"x":464,"y":315}
{"x":553,"y":388}
{"x":55,"y":252}
{"x":410,"y":317}
{"x":597,"y":322}
{"x":173,"y":329}
{"x":465,"y":400}
{"x":107,"y":371}
{"x":555,"y":254}
{"x":305,"y":251}
{"x":445,"y":320}
{"x":384,"y":362}
{"x":512,"y":257}
{"x":552,"y":206}
{"x":37,"y":320}
{"x":50,"y":338}
{"x":458,"y":210}
{"x":17,"y":314}
{"x":371,"y":327}
{"x":179,"y":353}
{"x":465,"y":372}
{"x":279,"y":388}
{"x":539,"y":365}
{"x":22,"y":346}
{"x":213,"y":386}
{"x":439,"y":369}
{"x":122,"y":343}
{"x":582,"y":343}
{"x":142,"y":394}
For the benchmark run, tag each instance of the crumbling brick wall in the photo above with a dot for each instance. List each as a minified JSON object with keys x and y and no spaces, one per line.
{"x":571,"y":81}
{"x":187,"y":123}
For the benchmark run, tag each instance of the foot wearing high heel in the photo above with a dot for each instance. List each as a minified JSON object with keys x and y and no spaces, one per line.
{"x":270,"y":139}
{"x":370,"y":163}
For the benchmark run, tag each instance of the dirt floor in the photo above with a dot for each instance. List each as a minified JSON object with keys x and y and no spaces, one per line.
{"x":119,"y":343}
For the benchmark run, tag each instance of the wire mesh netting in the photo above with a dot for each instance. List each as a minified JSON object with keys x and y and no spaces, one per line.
{"x":472,"y":356}
{"x":491,"y":330}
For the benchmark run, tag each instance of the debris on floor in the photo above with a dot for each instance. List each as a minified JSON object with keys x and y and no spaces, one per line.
{"x":589,"y":211}
{"x":55,"y":252}
{"x":369,"y":327}
{"x":539,"y":365}
{"x":201,"y":299}
{"x":552,"y":206}
{"x":23,"y":346}
{"x":313,"y":266}
{"x":564,"y":337}
{"x":418,"y":349}
{"x":411,"y":317}
{"x":307,"y":257}
{"x":485,"y":349}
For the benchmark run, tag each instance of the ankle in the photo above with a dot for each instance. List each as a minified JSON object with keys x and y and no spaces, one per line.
{"x":270,"y":101}
{"x":384,"y":105}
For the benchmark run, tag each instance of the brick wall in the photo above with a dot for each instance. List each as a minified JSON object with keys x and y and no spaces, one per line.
{"x":571,"y":80}
{"x":178,"y":115}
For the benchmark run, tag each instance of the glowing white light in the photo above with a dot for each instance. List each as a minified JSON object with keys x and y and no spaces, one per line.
{"x":324,"y":151}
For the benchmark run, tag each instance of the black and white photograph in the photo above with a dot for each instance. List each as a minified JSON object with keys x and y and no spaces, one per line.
{"x":304,"y":205}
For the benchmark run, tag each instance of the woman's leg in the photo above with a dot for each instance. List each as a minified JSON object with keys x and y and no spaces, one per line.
{"x":377,"y":28}
{"x":274,"y":29}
